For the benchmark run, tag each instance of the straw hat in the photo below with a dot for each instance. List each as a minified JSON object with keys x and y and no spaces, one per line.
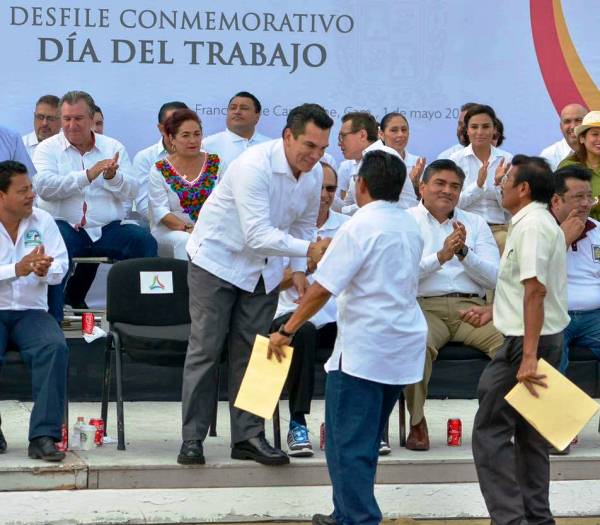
{"x":591,"y":120}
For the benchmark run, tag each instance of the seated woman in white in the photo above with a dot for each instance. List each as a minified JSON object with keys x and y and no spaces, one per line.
{"x":395,"y":132}
{"x":180,"y":184}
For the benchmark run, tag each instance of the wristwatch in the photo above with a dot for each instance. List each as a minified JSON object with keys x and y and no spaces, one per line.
{"x":283,"y":332}
{"x":463,"y":251}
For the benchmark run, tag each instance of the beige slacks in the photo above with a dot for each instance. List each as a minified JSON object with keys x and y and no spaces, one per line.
{"x":444,"y":325}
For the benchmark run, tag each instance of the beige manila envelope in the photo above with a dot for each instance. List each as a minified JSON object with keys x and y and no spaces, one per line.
{"x":560,"y":412}
{"x":263,"y":380}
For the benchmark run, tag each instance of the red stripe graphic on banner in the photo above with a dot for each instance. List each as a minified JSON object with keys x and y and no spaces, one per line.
{"x":558,"y":79}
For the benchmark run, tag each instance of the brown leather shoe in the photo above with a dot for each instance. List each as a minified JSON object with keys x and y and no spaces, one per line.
{"x":418,"y":437}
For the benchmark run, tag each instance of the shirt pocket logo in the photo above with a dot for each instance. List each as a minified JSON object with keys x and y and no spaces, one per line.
{"x":596,"y":253}
{"x":32,"y":238}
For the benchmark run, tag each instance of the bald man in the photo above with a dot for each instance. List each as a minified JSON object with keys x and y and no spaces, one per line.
{"x":570,"y":116}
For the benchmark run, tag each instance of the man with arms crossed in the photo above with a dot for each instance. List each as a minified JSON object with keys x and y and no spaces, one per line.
{"x":264,"y":209}
{"x":380,"y":344}
{"x":530,"y":309}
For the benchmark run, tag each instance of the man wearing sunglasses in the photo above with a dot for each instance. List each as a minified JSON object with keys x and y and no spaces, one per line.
{"x":46,"y":122}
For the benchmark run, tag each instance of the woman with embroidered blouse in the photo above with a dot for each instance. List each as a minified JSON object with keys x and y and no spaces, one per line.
{"x":180,"y":184}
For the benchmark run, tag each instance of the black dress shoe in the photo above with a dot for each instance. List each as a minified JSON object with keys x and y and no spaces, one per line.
{"x":322,"y":519}
{"x":191,"y":453}
{"x":76,"y":304}
{"x":258,"y":449}
{"x":3,"y":445}
{"x":44,"y":448}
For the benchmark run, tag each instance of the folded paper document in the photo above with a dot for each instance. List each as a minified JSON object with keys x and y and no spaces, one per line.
{"x":263,"y":380}
{"x":560,"y":411}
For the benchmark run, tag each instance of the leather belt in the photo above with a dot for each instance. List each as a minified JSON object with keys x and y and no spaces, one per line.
{"x":455,"y":294}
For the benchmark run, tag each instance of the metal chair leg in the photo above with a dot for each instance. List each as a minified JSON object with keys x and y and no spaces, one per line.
{"x":212,"y":430}
{"x":402,"y":418}
{"x":120,"y":415}
{"x":106,"y":382}
{"x":66,"y":410}
{"x":276,"y":428}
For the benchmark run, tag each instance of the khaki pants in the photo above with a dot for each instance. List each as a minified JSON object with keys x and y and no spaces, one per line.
{"x":500,"y":232}
{"x":444,"y":325}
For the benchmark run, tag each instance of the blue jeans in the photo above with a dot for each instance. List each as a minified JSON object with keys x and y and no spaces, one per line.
{"x":118,"y":241}
{"x":356,"y":411}
{"x":43,"y":348}
{"x":583,"y":330}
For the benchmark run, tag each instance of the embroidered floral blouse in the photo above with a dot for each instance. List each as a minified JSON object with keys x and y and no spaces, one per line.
{"x":169,"y":192}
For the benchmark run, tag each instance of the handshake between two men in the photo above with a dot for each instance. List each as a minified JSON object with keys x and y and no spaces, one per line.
{"x":315,"y":253}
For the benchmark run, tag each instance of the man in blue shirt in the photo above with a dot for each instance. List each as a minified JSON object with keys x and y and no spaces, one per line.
{"x":12,"y":148}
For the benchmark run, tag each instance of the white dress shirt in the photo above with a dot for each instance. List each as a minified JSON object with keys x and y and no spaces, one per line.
{"x":583,"y":270}
{"x":407,"y":198}
{"x":409,"y":160}
{"x":477,"y":271}
{"x":62,"y":185}
{"x":31,"y":141}
{"x":556,"y":152}
{"x":485,"y":201}
{"x":162,"y":200}
{"x":228,"y":146}
{"x":30,"y":292}
{"x":348,"y":168}
{"x":258,"y":214}
{"x":287,"y":298}
{"x":535,"y":247}
{"x":446,"y":154}
{"x":143,"y":162}
{"x":381,"y":328}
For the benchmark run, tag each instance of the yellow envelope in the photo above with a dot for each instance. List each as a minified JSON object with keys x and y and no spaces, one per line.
{"x":560,"y":412}
{"x":263,"y":380}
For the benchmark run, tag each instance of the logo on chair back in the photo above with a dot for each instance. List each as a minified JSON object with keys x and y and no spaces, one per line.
{"x":156,"y":282}
{"x":32,"y":238}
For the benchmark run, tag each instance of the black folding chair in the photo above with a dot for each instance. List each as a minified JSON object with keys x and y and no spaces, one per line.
{"x":148,"y":313}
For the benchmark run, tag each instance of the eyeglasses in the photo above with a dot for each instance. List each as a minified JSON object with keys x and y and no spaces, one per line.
{"x":329,"y":189}
{"x":343,"y":134}
{"x":48,"y":118}
{"x":581,"y":197}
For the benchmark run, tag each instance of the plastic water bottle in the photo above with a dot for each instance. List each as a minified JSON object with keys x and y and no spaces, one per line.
{"x":76,"y":435}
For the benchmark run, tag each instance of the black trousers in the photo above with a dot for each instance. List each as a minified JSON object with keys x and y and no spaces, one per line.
{"x":511,"y":457}
{"x":301,"y":378}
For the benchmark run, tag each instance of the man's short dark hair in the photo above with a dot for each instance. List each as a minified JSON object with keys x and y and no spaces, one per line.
{"x":363,"y":120}
{"x":302,"y":115}
{"x":97,"y":109}
{"x":384,"y":174}
{"x":246,"y":94}
{"x":72,"y":97}
{"x":536,"y":172}
{"x":167,"y":106}
{"x":442,"y":165}
{"x":327,"y":165}
{"x":51,"y":100}
{"x":8,"y":170}
{"x":572,"y":171}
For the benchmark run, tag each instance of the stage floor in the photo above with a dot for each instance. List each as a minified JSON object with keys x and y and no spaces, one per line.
{"x":148,"y":466}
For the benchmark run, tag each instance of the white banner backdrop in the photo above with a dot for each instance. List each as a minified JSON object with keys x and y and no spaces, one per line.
{"x":422,"y":57}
